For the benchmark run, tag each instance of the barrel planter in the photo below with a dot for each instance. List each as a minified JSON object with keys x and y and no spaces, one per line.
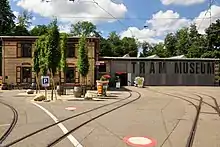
{"x":77,"y":91}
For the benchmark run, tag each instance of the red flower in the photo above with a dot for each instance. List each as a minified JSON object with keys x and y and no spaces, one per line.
{"x":107,"y":76}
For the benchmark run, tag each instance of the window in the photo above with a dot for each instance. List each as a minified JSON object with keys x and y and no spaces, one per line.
{"x":70,"y":50}
{"x":26,"y":74}
{"x":70,"y":75}
{"x":102,"y":68}
{"x":26,"y":49}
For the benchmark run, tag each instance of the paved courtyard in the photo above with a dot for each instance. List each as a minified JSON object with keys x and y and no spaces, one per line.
{"x":165,"y":115}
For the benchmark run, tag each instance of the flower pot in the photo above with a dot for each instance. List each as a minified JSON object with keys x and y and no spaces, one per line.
{"x":77,"y":91}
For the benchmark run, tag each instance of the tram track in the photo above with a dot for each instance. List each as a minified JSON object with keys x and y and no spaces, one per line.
{"x":203,"y":99}
{"x":216,"y":107}
{"x":75,"y":116}
{"x":54,"y":142}
{"x":191,"y":136}
{"x":12,"y":124}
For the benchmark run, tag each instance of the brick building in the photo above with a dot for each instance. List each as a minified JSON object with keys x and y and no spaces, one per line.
{"x":17,"y":53}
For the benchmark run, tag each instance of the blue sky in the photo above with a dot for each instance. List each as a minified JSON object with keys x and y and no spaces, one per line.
{"x":170,"y":15}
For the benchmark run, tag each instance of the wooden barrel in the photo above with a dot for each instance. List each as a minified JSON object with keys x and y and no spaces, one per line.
{"x":100,"y":88}
{"x":77,"y":91}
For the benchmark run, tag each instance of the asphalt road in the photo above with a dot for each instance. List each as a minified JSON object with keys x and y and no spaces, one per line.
{"x":30,"y":119}
{"x":163,"y":118}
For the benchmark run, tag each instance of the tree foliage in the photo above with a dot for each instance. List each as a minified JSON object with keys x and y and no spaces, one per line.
{"x":39,"y":30}
{"x":54,"y":54}
{"x":83,"y":61}
{"x":63,"y":48}
{"x":24,"y":19}
{"x":84,"y":28}
{"x":6,"y":18}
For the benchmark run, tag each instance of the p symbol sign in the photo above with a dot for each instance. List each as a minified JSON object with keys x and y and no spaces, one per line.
{"x":45,"y":81}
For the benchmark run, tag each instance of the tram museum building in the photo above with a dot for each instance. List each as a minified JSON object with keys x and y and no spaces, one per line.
{"x":17,"y":53}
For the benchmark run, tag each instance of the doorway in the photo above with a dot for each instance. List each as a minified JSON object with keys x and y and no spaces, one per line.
{"x":123,"y":78}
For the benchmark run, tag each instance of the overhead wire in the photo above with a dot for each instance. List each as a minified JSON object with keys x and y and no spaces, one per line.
{"x":114,"y":17}
{"x":208,"y":10}
{"x":140,"y":18}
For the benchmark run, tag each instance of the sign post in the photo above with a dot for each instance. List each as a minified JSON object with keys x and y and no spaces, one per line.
{"x":45,"y":82}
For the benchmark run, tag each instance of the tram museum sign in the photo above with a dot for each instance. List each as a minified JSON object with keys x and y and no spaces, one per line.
{"x":174,"y":67}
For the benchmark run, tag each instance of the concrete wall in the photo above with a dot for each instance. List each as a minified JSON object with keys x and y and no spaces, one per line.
{"x":168,"y":72}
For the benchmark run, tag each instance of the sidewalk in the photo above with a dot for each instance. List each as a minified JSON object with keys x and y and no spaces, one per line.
{"x":91,"y":94}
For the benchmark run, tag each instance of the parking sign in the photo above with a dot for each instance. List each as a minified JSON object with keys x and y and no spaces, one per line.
{"x":45,"y":81}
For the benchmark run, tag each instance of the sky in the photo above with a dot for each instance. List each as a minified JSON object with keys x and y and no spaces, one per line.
{"x":146,"y":20}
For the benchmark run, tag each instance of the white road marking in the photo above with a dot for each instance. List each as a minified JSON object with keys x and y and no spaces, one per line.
{"x":62,"y":127}
{"x":3,"y":125}
{"x":139,"y":140}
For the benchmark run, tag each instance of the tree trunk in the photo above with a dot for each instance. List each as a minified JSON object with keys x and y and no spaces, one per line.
{"x":60,"y":90}
{"x":37,"y":82}
{"x":53,"y":87}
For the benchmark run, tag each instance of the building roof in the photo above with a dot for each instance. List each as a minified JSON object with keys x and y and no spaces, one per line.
{"x":153,"y":56}
{"x":178,"y":57}
{"x":126,"y":55}
{"x":159,"y":59}
{"x":35,"y":37}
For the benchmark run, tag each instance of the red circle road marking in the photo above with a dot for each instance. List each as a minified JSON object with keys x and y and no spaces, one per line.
{"x":70,"y":108}
{"x":140,"y":141}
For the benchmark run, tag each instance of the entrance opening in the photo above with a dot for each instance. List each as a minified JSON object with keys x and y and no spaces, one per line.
{"x":123,"y":78}
{"x":26,"y":74}
{"x":70,"y":75}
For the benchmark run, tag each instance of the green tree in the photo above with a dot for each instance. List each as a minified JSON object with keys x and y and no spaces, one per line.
{"x":24,"y":21}
{"x":159,"y":50}
{"x":147,"y":49}
{"x":43,"y":44}
{"x":39,"y":30}
{"x":213,"y":36}
{"x":170,"y":45}
{"x":6,"y":18}
{"x":20,"y":31}
{"x":83,"y":61}
{"x":182,"y":44}
{"x":197,"y":43}
{"x":129,"y":46}
{"x":63,"y":48}
{"x":36,"y":59}
{"x":115,"y":44}
{"x":105,"y":48}
{"x":84,"y":28}
{"x":53,"y":50}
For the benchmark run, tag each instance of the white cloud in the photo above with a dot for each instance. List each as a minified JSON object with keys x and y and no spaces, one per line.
{"x":16,"y":13}
{"x":182,"y":2}
{"x":34,"y":18}
{"x":160,"y":24}
{"x":64,"y":28}
{"x":169,"y":21}
{"x":201,"y":23}
{"x":31,"y":27}
{"x":68,"y":11}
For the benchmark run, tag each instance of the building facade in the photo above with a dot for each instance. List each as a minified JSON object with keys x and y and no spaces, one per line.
{"x":17,"y":53}
{"x":162,"y":71}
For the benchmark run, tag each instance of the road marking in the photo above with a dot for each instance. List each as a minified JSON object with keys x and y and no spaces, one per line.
{"x":71,"y":108}
{"x":3,"y":125}
{"x":62,"y":127}
{"x":140,"y":141}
